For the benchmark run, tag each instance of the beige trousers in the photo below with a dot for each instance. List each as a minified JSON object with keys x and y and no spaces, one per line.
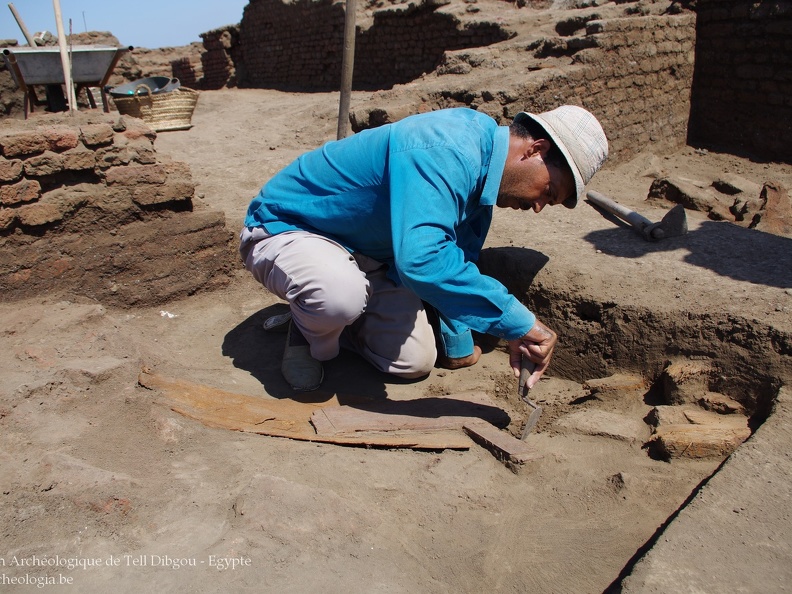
{"x":342,"y":299}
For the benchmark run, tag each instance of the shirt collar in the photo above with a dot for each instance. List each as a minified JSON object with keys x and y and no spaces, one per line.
{"x":500,"y":149}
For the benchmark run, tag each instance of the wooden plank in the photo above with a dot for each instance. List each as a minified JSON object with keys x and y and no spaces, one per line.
{"x":282,"y":418}
{"x":422,"y":414}
{"x":322,"y":424}
{"x":503,"y":446}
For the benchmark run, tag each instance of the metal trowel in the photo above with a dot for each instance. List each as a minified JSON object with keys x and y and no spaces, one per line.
{"x":526,"y":369}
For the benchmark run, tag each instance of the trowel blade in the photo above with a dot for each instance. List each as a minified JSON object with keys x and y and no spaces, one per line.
{"x":533,"y":418}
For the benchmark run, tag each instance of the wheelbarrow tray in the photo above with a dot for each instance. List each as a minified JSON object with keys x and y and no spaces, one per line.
{"x":91,"y":64}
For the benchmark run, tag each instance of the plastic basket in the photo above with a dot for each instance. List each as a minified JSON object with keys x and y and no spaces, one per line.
{"x":164,"y":111}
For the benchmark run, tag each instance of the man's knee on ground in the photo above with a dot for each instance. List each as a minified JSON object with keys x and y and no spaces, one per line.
{"x":419,"y":364}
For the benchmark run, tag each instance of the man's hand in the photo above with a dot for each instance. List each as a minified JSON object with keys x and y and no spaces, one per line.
{"x":537,"y":345}
{"x":450,"y":363}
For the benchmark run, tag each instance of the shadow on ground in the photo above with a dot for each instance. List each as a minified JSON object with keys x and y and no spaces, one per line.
{"x":724,"y":248}
{"x":259,"y":352}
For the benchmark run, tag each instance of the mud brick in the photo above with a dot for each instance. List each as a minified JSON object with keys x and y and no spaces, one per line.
{"x":22,"y":144}
{"x":141,"y":151}
{"x":630,"y":429}
{"x":46,"y":163}
{"x":131,"y":175}
{"x":10,"y":170}
{"x":664,"y":415}
{"x":685,"y":381}
{"x":178,"y":170}
{"x":615,"y":386}
{"x":7,"y":218}
{"x":34,"y":215}
{"x":112,"y":156}
{"x":731,"y":184}
{"x":777,"y":215}
{"x":18,"y":193}
{"x":61,"y":139}
{"x":79,"y":159}
{"x":683,"y":192}
{"x":134,"y":128}
{"x":168,"y":192}
{"x":698,"y":441}
{"x":721,"y":404}
{"x":97,"y":134}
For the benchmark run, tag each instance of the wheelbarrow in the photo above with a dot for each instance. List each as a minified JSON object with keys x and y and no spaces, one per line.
{"x":92,"y":66}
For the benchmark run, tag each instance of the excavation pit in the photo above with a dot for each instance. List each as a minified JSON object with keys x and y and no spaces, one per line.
{"x":86,"y":446}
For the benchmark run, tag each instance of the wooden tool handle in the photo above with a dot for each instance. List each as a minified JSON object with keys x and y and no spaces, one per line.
{"x":632,"y":217}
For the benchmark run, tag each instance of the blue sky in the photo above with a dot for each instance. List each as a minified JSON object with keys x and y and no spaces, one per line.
{"x":140,"y":23}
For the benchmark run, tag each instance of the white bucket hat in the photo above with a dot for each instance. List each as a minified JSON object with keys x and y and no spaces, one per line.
{"x":579,"y":137}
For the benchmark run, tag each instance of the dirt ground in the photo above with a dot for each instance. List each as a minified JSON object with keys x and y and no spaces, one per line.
{"x":104,"y":488}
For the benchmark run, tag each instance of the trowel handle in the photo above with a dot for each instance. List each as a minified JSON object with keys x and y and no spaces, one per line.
{"x":632,"y":217}
{"x":526,"y":369}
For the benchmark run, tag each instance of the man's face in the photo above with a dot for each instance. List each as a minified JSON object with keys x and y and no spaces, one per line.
{"x":529,"y":183}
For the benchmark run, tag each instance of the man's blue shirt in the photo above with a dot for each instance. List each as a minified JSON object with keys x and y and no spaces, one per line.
{"x":416,"y":195}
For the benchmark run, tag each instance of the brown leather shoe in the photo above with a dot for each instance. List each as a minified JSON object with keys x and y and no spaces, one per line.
{"x":303,"y":372}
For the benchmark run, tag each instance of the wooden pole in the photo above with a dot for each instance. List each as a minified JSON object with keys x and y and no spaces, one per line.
{"x":20,"y":22}
{"x":64,"y":52}
{"x":347,"y":66}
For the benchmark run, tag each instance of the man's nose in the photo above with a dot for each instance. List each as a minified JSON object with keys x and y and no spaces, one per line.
{"x":538,"y":205}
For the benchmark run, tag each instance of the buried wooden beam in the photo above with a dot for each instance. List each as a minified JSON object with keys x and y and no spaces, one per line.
{"x":431,"y":423}
{"x":284,"y":418}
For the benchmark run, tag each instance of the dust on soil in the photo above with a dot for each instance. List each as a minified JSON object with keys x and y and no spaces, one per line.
{"x":96,"y":467}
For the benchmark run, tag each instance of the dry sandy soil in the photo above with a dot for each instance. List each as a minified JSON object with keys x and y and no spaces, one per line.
{"x":98,"y":472}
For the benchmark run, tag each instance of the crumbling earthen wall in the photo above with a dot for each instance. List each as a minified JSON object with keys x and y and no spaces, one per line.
{"x":88,"y":207}
{"x":635,"y":74}
{"x":742,"y":90}
{"x":637,"y":79}
{"x":220,"y":58}
{"x":299,"y":44}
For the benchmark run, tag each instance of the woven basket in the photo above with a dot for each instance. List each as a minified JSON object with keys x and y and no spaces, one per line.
{"x":163,"y":111}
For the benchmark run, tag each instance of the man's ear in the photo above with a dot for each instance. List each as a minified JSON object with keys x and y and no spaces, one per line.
{"x":540,"y":146}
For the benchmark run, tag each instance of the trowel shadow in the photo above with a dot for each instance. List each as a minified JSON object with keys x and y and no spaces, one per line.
{"x":348,"y":376}
{"x":724,"y":248}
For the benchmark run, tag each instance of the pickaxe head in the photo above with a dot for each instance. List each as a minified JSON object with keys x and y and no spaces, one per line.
{"x":673,"y":224}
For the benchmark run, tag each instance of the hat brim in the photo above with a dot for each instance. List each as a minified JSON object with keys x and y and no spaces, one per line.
{"x":572,"y":201}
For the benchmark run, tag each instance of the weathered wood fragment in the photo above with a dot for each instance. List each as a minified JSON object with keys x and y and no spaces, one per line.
{"x":503,"y":446}
{"x":282,"y":418}
{"x":426,"y":414}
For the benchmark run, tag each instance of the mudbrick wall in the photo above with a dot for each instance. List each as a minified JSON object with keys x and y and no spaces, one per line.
{"x":742,"y":90}
{"x":634,"y":73}
{"x":222,"y":52}
{"x":85,"y":202}
{"x":299,"y":45}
